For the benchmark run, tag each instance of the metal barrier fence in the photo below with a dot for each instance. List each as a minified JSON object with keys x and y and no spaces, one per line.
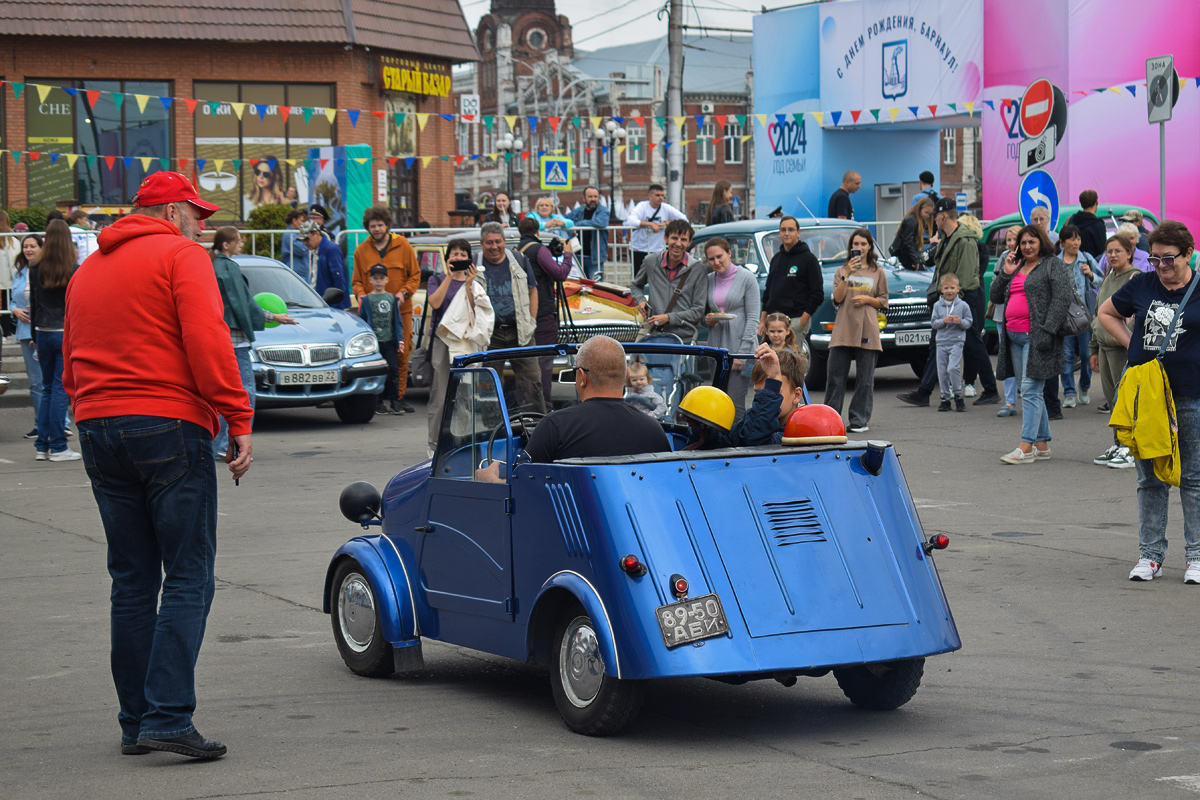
{"x":618,"y":263}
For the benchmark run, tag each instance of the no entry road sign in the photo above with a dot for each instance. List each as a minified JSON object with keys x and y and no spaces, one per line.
{"x":1036,"y":107}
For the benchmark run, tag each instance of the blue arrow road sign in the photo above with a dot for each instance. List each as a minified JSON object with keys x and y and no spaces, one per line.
{"x":1038,"y":189}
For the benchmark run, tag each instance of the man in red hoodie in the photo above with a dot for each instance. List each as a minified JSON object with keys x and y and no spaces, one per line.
{"x":149,"y":366}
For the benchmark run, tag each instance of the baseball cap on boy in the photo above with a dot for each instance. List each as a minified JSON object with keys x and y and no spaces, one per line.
{"x":163,"y":187}
{"x":378,"y":269}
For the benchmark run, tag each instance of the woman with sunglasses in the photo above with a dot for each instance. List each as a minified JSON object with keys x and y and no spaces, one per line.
{"x":265,"y":190}
{"x":1153,"y":299}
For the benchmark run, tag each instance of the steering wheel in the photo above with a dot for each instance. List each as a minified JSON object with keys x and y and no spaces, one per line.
{"x":523,"y":421}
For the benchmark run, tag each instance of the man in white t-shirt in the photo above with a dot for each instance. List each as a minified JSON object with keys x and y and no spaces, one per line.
{"x":650,"y":217}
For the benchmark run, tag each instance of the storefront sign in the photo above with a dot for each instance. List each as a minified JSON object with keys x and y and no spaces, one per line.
{"x":415,"y":77}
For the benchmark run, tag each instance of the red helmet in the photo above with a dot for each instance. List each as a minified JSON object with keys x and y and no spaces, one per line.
{"x":814,"y":424}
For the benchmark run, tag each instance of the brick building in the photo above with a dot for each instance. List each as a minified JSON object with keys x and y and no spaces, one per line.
{"x":530,"y":66}
{"x":125,"y":73}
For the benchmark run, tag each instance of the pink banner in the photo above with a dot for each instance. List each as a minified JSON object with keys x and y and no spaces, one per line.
{"x":1108,"y":145}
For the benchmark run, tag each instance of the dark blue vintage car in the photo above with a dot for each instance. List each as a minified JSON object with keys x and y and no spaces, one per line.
{"x":736,"y":564}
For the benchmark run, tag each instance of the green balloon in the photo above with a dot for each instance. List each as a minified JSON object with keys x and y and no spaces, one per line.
{"x":269,"y":301}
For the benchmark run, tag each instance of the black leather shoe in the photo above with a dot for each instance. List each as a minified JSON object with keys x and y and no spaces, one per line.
{"x":914,"y":398}
{"x":193,"y":745}
{"x":987,"y":399}
{"x":133,"y":750}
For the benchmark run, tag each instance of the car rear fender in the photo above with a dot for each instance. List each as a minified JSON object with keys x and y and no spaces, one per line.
{"x":389,"y":579}
{"x":559,"y":592}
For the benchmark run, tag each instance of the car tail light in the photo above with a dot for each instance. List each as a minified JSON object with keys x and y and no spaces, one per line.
{"x":939,"y":541}
{"x":632,"y":566}
{"x":679,"y":585}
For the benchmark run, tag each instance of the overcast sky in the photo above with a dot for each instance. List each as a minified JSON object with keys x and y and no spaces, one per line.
{"x":603,"y":23}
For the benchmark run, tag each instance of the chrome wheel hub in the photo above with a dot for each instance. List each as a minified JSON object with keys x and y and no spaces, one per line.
{"x":580,"y":665}
{"x":356,"y":612}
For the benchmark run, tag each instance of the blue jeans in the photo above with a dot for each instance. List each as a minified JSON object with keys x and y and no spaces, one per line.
{"x":1035,"y":421}
{"x":33,"y":370}
{"x":156,"y":486}
{"x":246,"y":370}
{"x":1153,"y":495}
{"x":1077,"y":346}
{"x":52,"y":409}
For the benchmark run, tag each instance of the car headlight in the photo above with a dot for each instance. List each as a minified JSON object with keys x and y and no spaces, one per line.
{"x":364,"y":344}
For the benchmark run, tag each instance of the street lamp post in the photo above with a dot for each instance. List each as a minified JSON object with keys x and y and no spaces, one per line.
{"x":610,"y":134}
{"x":511,"y":148}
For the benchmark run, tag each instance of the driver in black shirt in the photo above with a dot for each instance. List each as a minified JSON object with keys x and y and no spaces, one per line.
{"x":603,"y":424}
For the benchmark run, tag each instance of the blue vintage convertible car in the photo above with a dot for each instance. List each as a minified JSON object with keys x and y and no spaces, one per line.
{"x":736,"y":564}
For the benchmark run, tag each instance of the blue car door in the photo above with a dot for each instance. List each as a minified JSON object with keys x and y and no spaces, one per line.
{"x":465,"y":553}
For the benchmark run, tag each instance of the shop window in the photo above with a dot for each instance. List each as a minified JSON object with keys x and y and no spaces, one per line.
{"x":706,"y":153}
{"x":279,"y":148}
{"x":949,"y":146}
{"x":464,"y":138}
{"x":109,"y":147}
{"x":636,"y":153}
{"x":733,"y":142}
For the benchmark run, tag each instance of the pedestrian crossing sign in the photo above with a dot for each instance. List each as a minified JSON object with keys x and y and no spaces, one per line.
{"x":556,"y":173}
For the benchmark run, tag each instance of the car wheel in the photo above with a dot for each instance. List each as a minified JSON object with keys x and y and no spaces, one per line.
{"x":881,"y":687}
{"x":818,"y":366}
{"x":591,"y":701}
{"x":356,"y":625}
{"x":357,"y":409}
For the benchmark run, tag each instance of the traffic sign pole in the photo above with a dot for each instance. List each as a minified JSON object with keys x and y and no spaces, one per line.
{"x":1162,"y":171}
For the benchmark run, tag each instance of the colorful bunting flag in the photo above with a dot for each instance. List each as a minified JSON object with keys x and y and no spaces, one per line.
{"x":141,"y":100}
{"x":17,"y":89}
{"x":353,"y":114}
{"x":331,"y":114}
{"x":42,"y":92}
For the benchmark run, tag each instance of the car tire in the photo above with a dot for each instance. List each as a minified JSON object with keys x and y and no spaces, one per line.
{"x":590,"y":701}
{"x":357,"y":409}
{"x":818,"y":368}
{"x":881,"y":687}
{"x":357,"y":628}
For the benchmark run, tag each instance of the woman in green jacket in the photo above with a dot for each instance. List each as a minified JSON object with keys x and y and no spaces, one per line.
{"x":242,"y":315}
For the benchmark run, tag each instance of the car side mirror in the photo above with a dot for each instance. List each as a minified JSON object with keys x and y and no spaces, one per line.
{"x":333,"y":295}
{"x":359,"y":503}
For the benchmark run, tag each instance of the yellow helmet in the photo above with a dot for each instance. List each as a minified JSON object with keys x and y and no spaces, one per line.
{"x":709,"y":405}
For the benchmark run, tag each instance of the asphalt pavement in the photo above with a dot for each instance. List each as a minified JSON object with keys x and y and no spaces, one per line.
{"x":1072,"y":681}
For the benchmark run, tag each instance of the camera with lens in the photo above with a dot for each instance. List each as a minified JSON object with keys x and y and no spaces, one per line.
{"x":555,"y":245}
{"x":1036,"y":155}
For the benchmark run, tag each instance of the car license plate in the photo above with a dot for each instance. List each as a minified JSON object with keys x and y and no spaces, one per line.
{"x":906,"y":338}
{"x":292,"y":378}
{"x":692,"y":620}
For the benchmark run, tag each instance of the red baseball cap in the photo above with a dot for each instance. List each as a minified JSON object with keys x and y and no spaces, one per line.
{"x":162,"y":187}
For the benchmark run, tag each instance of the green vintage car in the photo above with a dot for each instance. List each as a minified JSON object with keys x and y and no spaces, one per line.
{"x":905,"y":331}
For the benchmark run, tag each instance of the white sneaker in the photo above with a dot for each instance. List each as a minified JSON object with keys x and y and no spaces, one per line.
{"x":1069,"y":401}
{"x":969,"y":390}
{"x":1103,"y":459}
{"x":1146,"y":570}
{"x":1193,"y":572}
{"x":859,"y":429}
{"x":1123,"y":459}
{"x":65,"y":455}
{"x":41,"y":455}
{"x":1019,"y":456}
{"x":1041,"y":455}
{"x":1084,"y":399}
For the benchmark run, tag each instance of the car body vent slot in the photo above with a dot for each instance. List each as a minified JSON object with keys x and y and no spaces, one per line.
{"x":794,"y":522}
{"x":570,"y":524}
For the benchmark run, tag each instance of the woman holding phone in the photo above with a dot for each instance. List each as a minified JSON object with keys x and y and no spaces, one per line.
{"x":860,"y":292}
{"x":441,"y":289}
{"x":1035,"y":287}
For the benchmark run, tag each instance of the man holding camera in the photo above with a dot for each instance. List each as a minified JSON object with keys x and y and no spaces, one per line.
{"x":550,"y":274}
